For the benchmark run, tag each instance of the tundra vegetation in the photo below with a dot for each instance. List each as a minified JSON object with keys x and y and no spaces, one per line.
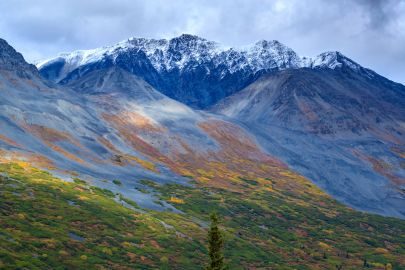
{"x":47,"y":223}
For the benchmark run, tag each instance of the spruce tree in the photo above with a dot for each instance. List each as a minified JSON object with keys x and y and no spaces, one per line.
{"x":215,"y":245}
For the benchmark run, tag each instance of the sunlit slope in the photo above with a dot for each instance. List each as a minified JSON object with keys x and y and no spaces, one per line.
{"x":283,"y":223}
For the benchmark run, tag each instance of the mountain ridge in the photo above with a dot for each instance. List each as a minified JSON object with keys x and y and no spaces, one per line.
{"x":190,"y":69}
{"x":11,"y":60}
{"x":203,"y":47}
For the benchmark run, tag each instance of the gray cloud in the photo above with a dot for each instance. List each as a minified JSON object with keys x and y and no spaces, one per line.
{"x":380,"y":12}
{"x":372,"y":32}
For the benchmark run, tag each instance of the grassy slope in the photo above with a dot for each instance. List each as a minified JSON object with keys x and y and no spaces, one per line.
{"x":39,"y":211}
{"x":269,"y":225}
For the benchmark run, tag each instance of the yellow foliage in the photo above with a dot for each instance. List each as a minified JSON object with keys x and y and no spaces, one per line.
{"x":324,"y":246}
{"x":164,"y":260}
{"x":83,"y":257}
{"x":126,"y":244}
{"x":203,"y":179}
{"x":379,"y":265}
{"x":381,"y":250}
{"x":185,"y":172}
{"x":176,"y":200}
{"x":63,"y":252}
{"x":107,"y":251}
{"x":23,"y":164}
{"x":50,"y":243}
{"x":144,"y":163}
{"x":82,"y":198}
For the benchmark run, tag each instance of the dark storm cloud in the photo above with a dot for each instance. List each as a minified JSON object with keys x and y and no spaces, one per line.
{"x":372,"y":32}
{"x":380,"y":11}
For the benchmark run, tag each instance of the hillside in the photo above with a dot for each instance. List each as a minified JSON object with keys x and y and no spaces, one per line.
{"x":284,"y":223}
{"x":103,"y":171}
{"x":343,"y":130}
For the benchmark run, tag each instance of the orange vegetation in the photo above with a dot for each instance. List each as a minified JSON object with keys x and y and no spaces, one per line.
{"x":141,"y":122}
{"x":399,"y":152}
{"x":122,"y":159}
{"x":51,"y":137}
{"x":131,"y":134}
{"x":26,"y":158}
{"x":237,"y":157}
{"x":382,"y":167}
{"x":231,"y":166}
{"x":9,"y":141}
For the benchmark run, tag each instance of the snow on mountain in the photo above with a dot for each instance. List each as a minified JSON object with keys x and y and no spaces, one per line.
{"x":190,"y":69}
{"x":335,"y":60}
{"x":178,"y":52}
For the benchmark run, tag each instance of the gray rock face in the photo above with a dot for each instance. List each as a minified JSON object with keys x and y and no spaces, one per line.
{"x":321,"y":101}
{"x":115,"y":81}
{"x":34,"y":116}
{"x":335,"y":126}
{"x":11,"y":60}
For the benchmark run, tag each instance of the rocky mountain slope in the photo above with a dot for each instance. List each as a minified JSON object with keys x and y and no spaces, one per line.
{"x":56,"y":128}
{"x":342,"y":129}
{"x":323,"y":101}
{"x":188,"y":68}
{"x":111,"y":125}
{"x":330,"y":98}
{"x":132,"y":175}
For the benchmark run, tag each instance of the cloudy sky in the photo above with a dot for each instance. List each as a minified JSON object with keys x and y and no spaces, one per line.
{"x":371,"y":32}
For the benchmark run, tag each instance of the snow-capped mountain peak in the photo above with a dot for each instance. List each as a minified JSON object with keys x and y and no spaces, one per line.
{"x":189,"y":68}
{"x":332,"y":60}
{"x":335,"y":60}
{"x":272,"y":54}
{"x":180,"y":51}
{"x":189,"y":50}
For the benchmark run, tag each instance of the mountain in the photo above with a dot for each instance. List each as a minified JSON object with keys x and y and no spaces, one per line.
{"x":330,"y":98}
{"x":342,"y":129}
{"x":56,"y":128}
{"x":110,"y":124}
{"x":102,"y":170}
{"x":187,"y":68}
{"x":322,"y":101}
{"x":13,"y":61}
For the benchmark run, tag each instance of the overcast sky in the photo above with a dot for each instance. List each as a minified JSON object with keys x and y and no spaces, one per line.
{"x":371,"y":32}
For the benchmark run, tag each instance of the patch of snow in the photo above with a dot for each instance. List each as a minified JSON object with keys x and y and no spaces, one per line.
{"x":330,"y":60}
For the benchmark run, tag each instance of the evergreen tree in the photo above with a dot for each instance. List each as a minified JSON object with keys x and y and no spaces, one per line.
{"x":215,"y":245}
